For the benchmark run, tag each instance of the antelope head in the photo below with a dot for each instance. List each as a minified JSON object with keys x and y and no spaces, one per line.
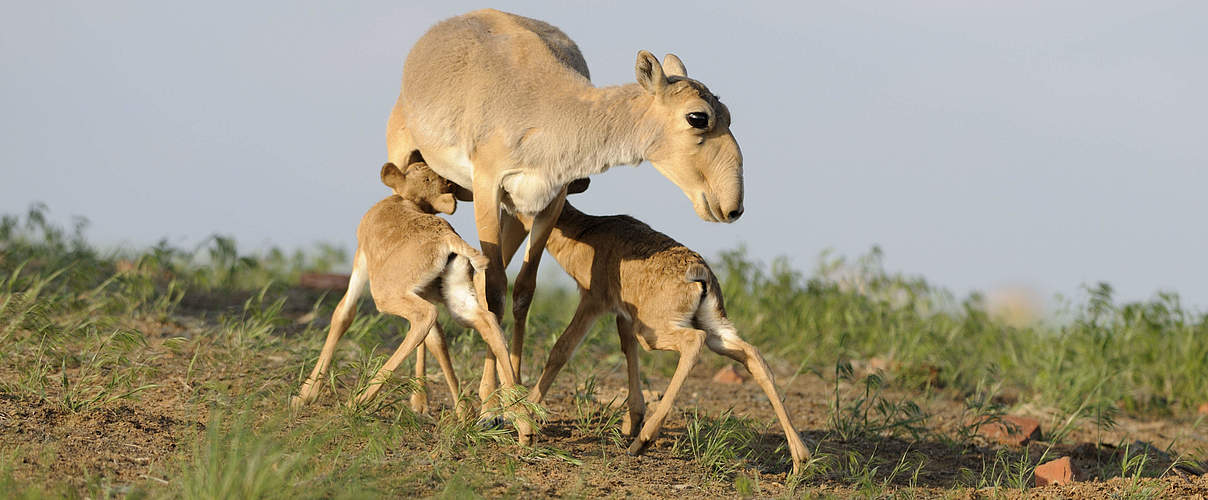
{"x":693,"y":146}
{"x":420,"y":185}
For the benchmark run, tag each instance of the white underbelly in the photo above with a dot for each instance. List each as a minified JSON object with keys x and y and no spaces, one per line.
{"x":453,"y":164}
{"x":529,"y":192}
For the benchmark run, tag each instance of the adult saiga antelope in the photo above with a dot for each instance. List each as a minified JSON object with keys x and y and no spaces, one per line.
{"x":502,"y":105}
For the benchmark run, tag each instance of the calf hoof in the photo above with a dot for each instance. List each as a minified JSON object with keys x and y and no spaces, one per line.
{"x":297,"y":402}
{"x":491,"y":422}
{"x":630,"y":426}
{"x":638,"y":447}
{"x":419,"y":403}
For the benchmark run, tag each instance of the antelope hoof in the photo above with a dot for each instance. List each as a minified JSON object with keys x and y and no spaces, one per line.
{"x":638,"y":447}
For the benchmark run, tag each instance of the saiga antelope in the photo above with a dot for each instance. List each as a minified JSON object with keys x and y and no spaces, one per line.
{"x":413,"y":260}
{"x":664,"y":296}
{"x":502,"y":105}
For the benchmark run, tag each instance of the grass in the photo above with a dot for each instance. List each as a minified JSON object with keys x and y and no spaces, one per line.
{"x":212,"y":341}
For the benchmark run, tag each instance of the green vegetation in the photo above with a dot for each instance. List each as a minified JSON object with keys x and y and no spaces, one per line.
{"x":191,"y":356}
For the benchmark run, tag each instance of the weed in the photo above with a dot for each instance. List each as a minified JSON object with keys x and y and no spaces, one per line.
{"x":718,"y":444}
{"x":599,"y":421}
{"x":871,"y":414}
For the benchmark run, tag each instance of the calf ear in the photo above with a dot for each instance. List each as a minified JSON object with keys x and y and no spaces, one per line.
{"x":578,"y":186}
{"x":445,"y":204}
{"x":392,"y":177}
{"x":650,"y":73}
{"x":462,"y":194}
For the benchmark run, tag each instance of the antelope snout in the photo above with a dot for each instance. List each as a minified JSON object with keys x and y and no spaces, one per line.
{"x":733,"y":214}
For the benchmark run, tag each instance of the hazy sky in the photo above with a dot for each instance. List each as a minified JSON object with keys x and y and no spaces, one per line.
{"x":981,"y":144}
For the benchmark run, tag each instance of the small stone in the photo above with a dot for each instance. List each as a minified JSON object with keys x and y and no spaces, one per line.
{"x":729,"y":375}
{"x":1010,"y":429}
{"x":323,"y":281}
{"x":880,"y":364}
{"x":1060,"y":471}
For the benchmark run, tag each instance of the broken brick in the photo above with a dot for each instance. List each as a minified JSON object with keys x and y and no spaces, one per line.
{"x":730,"y":375}
{"x":323,"y":281}
{"x":1060,"y":471}
{"x":1010,"y":429}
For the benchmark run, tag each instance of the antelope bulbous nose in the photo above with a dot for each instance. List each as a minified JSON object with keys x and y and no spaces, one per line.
{"x":734,"y":214}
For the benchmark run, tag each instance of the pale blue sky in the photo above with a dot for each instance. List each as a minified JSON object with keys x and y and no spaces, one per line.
{"x":981,"y":144}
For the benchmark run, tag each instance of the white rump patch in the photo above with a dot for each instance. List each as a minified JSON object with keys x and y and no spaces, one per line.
{"x":458,"y":286}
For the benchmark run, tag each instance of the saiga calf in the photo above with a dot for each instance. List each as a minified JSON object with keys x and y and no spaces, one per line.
{"x":665,"y":297}
{"x":412,"y":260}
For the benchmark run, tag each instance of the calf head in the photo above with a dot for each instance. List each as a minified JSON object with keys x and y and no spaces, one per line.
{"x":420,"y":185}
{"x":693,"y":146}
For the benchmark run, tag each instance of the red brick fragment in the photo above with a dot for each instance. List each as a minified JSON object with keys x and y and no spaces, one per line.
{"x":730,"y":375}
{"x":1060,"y":471}
{"x":323,"y":281}
{"x":1010,"y":430}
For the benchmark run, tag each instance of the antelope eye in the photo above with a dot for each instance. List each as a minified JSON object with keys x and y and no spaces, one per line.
{"x":697,"y":119}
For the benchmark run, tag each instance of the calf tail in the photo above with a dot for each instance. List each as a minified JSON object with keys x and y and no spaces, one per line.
{"x":478,"y":261}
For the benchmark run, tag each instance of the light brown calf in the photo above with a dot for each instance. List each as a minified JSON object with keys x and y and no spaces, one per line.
{"x":665,"y":297}
{"x":414,"y":260}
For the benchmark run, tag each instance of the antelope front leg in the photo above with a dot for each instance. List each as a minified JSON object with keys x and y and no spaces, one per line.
{"x":688,"y":342}
{"x":487,"y":219}
{"x":526,"y":280}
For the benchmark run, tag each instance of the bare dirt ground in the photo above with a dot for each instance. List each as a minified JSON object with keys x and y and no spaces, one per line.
{"x":139,"y":442}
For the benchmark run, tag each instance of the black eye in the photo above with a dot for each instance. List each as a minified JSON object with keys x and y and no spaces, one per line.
{"x":698,"y":119}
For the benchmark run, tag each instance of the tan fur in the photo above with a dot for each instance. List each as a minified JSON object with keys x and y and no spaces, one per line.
{"x":665,"y":297}
{"x":414,"y":260}
{"x":503,"y":106}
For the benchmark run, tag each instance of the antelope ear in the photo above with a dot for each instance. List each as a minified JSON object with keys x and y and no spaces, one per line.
{"x":673,"y":66}
{"x":445,"y":204}
{"x":392,"y":177}
{"x":578,"y":186}
{"x":650,"y":73}
{"x":462,"y":194}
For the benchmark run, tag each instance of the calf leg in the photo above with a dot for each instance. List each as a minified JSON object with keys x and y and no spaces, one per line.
{"x":563,"y":349}
{"x":635,"y":401}
{"x":422,"y":315}
{"x":419,"y":398}
{"x":346,"y":310}
{"x":688,"y":342}
{"x":488,"y":327}
{"x":436,"y":343}
{"x":724,"y":340}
